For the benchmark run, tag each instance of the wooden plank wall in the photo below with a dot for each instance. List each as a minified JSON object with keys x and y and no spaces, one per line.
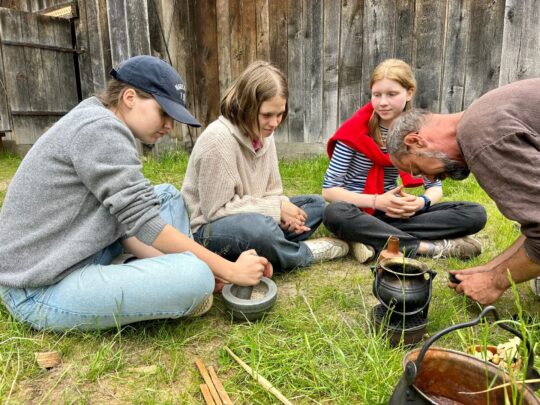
{"x":459,"y":49}
{"x":40,"y":83}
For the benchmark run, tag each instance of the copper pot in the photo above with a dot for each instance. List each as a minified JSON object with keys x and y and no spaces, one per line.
{"x":434,"y":375}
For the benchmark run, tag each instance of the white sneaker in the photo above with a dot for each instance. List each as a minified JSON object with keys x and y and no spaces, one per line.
{"x":361,"y":252}
{"x":327,"y":248}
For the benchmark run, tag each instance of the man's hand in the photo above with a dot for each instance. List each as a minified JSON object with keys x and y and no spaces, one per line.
{"x":482,"y":284}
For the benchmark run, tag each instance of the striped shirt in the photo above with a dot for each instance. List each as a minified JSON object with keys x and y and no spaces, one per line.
{"x":348,"y":169}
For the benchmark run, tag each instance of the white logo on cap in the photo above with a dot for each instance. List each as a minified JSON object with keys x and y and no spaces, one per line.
{"x":179,"y":87}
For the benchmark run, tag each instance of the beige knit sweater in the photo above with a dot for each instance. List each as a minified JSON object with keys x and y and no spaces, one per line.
{"x":225,"y":176}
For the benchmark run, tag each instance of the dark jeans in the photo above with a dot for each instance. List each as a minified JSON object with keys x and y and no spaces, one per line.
{"x":447,"y":220}
{"x":230,"y":236}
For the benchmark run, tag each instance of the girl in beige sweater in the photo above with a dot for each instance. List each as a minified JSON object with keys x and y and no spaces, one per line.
{"x":233,"y":187}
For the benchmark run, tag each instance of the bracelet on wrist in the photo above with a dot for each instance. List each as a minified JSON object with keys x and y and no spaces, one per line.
{"x":373,"y":201}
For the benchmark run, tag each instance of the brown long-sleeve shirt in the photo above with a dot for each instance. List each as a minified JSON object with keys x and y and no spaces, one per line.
{"x":499,"y":136}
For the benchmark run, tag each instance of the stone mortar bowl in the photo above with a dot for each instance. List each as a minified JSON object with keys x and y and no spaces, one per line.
{"x":245,"y":303}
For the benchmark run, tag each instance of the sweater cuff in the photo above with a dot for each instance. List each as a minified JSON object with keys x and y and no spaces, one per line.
{"x":149,"y":232}
{"x":532,"y":249}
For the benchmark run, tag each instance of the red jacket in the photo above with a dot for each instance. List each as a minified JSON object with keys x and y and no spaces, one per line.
{"x":355,"y":134}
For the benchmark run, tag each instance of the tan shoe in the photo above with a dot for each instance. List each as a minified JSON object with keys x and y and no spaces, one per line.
{"x":203,"y":307}
{"x":327,"y":248}
{"x":461,"y":248}
{"x":361,"y":252}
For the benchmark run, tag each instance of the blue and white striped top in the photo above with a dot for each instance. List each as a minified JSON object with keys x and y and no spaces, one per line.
{"x":348,"y":169}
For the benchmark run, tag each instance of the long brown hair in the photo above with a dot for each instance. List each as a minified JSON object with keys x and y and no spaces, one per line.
{"x":259,"y":82}
{"x":399,"y":71}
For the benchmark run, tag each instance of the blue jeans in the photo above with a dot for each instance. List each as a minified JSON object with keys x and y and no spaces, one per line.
{"x":101,"y":295}
{"x":230,"y":236}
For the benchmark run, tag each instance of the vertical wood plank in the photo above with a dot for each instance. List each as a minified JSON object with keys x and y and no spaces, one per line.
{"x":520,"y":55}
{"x":485,"y":48}
{"x":378,"y":39}
{"x":204,"y":54}
{"x":295,"y":70}
{"x":430,"y":17}
{"x":314,"y":73}
{"x":455,"y":56}
{"x":224,"y":45}
{"x":278,"y":9}
{"x":350,"y":60}
{"x":182,"y":48}
{"x":262,"y":27}
{"x":66,"y":89}
{"x":403,"y":46}
{"x":243,"y":22}
{"x":118,"y":35}
{"x":92,"y":34}
{"x":5,"y":117}
{"x":37,"y":85}
{"x":332,"y":22}
{"x":278,"y":51}
{"x":137,"y":27}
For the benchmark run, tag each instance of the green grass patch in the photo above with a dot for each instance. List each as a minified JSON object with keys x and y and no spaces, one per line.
{"x":315,"y":346}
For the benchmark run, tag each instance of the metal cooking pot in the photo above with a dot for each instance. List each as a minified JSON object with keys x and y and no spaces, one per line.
{"x":403,"y":285}
{"x":440,"y":376}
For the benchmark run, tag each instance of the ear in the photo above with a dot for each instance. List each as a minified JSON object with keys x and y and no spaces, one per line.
{"x":414,"y":140}
{"x":410,"y":94}
{"x":129,"y":97}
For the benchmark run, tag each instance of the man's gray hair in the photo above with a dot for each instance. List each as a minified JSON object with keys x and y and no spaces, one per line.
{"x":408,"y":122}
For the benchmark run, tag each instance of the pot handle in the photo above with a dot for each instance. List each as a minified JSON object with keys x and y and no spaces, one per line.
{"x":432,"y":275}
{"x":411,"y":368}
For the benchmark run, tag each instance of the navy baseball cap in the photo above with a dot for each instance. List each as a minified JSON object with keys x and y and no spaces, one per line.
{"x":158,"y":78}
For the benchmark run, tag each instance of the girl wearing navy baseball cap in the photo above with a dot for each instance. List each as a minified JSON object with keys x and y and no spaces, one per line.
{"x":79,"y":199}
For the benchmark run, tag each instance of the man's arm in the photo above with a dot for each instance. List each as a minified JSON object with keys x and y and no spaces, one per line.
{"x":486,"y":283}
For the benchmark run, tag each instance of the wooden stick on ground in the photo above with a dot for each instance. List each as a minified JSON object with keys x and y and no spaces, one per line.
{"x":219,"y":386}
{"x":261,"y":380}
{"x":208,"y":381}
{"x":206,"y":394}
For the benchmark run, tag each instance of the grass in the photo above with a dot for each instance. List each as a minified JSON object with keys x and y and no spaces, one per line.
{"x":315,"y":345}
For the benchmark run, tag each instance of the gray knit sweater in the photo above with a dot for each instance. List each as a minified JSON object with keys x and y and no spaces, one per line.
{"x":78,"y":190}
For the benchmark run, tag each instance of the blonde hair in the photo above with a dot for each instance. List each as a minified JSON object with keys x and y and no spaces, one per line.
{"x":111,"y":96}
{"x":259,"y":82}
{"x":399,"y":71}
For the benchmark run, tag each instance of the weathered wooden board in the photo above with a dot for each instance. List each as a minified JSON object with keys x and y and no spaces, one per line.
{"x":295,"y":34}
{"x":378,"y":40}
{"x":455,"y":56}
{"x":350,"y":60}
{"x":332,"y":22}
{"x":520,"y":58}
{"x":205,"y":58}
{"x":313,"y":73}
{"x":278,"y":51}
{"x":484,"y":49}
{"x":5,"y":118}
{"x":92,"y":35}
{"x":428,"y":61}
